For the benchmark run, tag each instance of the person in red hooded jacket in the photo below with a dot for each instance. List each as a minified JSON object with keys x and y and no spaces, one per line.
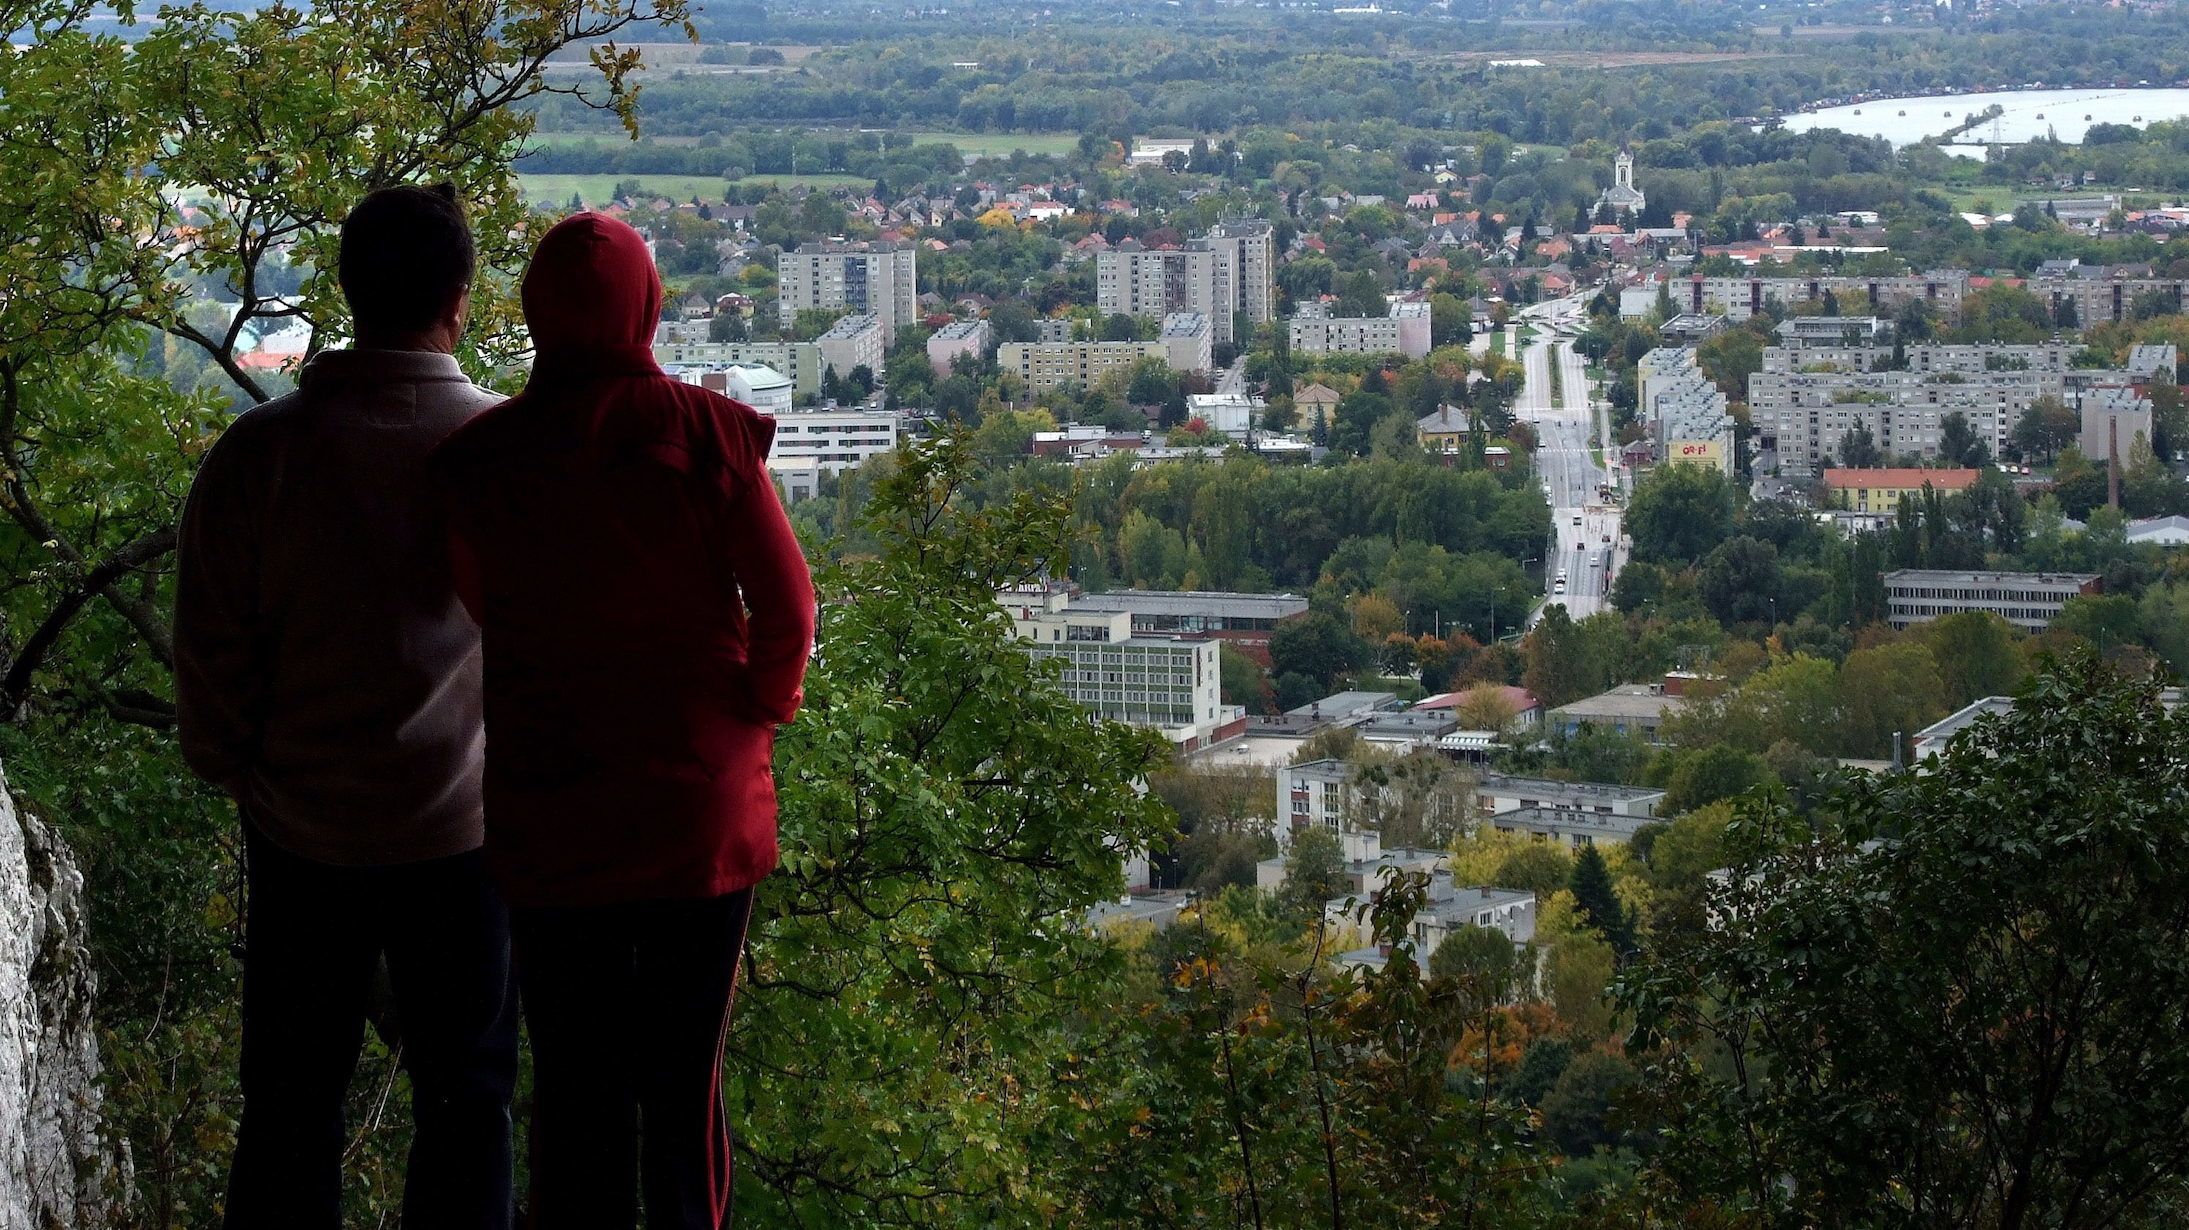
{"x":645,"y":616}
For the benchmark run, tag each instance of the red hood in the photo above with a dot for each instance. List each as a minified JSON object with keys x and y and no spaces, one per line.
{"x":592,"y":286}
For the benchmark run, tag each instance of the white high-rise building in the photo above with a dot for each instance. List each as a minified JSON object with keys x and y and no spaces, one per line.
{"x":881,"y":279}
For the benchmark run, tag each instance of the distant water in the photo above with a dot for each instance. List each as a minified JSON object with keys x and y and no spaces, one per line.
{"x":2028,"y":116}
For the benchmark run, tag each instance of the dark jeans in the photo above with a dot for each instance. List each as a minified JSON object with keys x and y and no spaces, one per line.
{"x":313,"y":941}
{"x":627,"y":1006}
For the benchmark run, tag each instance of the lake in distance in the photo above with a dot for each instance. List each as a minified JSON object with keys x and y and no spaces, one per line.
{"x":2029,"y":115}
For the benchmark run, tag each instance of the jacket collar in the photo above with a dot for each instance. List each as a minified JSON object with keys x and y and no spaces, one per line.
{"x":381,"y":367}
{"x":604,"y":360}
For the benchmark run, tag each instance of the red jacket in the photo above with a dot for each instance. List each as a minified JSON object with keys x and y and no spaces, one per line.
{"x":645,"y":610}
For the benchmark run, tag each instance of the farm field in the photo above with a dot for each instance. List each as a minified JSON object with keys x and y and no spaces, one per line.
{"x":556,"y":188}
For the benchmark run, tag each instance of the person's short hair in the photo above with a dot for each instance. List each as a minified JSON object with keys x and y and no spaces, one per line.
{"x":406,"y":255}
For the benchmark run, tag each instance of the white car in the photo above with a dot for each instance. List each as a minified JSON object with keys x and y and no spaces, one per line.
{"x":1560,"y":587}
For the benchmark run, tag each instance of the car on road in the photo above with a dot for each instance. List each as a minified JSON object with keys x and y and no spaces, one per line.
{"x":1577,"y":520}
{"x":1560,"y":587}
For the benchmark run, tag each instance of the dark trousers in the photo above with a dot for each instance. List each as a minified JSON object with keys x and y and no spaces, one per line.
{"x":627,"y":1006}
{"x":313,"y":940}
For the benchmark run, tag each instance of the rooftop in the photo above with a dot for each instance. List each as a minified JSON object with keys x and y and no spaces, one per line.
{"x":1346,"y":704}
{"x":1935,"y":576}
{"x":1628,"y":700}
{"x":852,"y":325}
{"x":1900,"y":478}
{"x":1561,"y":822}
{"x":1194,"y":602}
{"x":958,"y":330}
{"x":1542,"y":787}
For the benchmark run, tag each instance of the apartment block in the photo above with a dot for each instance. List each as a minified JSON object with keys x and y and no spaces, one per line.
{"x":1246,"y":621}
{"x":1049,"y":365}
{"x":1685,"y":413}
{"x":1738,"y":298}
{"x":2028,"y":600}
{"x":959,"y":337}
{"x":1189,"y":342}
{"x":1220,"y":275}
{"x":854,"y":342}
{"x":1804,"y":402}
{"x":1693,"y":427}
{"x":836,"y":440}
{"x":1332,"y":795}
{"x":1572,"y":814}
{"x":800,"y":362}
{"x":1163,"y":683}
{"x":1658,"y":370}
{"x":879,"y":279}
{"x":1184,"y":346}
{"x":1404,"y":329}
{"x":2101,"y":293}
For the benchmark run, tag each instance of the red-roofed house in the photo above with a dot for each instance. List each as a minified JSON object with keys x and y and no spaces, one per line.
{"x":1881,"y":490}
{"x":1527,"y":710}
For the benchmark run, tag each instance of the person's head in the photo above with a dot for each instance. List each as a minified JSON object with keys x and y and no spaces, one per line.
{"x":406,"y":267}
{"x":591,"y":285}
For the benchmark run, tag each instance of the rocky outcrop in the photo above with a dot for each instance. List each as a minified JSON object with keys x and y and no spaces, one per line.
{"x":56,"y":1166}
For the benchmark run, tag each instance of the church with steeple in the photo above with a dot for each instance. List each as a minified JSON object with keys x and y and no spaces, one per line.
{"x":1623,"y":197}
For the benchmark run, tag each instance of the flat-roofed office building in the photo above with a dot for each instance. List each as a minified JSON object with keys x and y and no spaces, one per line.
{"x":2028,"y":600}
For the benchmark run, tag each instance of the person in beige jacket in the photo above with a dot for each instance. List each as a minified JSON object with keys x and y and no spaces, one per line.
{"x":328,"y":679}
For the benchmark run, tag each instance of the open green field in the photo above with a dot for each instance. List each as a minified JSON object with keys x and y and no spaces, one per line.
{"x":809,"y":181}
{"x":596,"y":189}
{"x":556,"y":189}
{"x":998,"y":144}
{"x":979,"y":144}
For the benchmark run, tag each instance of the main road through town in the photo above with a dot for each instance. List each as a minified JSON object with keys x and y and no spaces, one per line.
{"x":1586,"y":546}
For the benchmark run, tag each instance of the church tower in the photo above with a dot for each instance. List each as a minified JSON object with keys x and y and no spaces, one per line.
{"x":1623,"y":197}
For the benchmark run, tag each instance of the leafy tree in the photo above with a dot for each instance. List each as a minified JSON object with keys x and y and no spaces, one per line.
{"x":1244,"y":681}
{"x":1858,"y":448}
{"x":1688,"y":848}
{"x":1680,"y":514}
{"x":1565,"y":663}
{"x":1314,"y":873}
{"x":894,"y":779}
{"x":1577,"y":1112}
{"x":1886,"y":690}
{"x":1485,"y":707}
{"x":1537,"y":866}
{"x":1980,"y":963}
{"x":1713,"y":773}
{"x":1318,"y":647}
{"x":1539,"y":1070}
{"x":1637,"y":586}
{"x":1740,"y":581}
{"x":1958,"y":444}
{"x":1975,"y":654}
{"x":1483,"y":965}
{"x":2047,"y":426}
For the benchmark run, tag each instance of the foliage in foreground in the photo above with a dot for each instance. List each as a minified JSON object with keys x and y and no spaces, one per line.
{"x":1945,"y":999}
